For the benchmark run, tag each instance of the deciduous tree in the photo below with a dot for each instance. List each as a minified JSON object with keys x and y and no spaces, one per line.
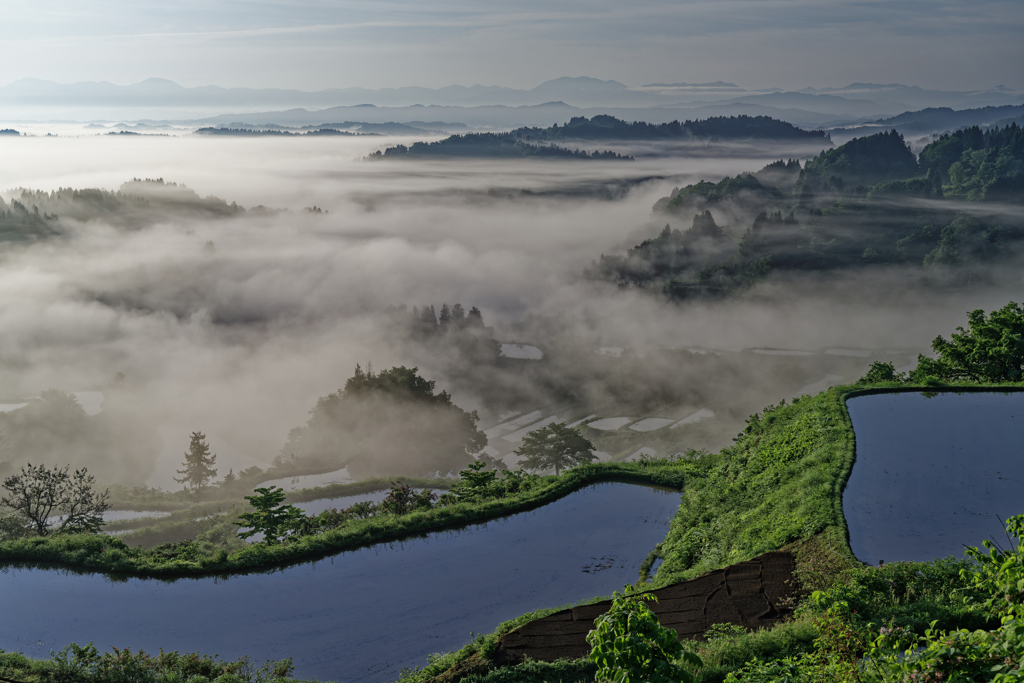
{"x":40,"y":494}
{"x":555,"y":446}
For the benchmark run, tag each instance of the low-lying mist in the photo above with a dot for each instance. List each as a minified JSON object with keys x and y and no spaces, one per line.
{"x":234,"y":322}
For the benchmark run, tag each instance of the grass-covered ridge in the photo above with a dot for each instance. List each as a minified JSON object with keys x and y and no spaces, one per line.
{"x":89,"y":552}
{"x":781,"y":483}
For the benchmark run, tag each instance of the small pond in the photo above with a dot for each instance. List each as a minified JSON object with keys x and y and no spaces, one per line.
{"x":361,"y":615}
{"x":934,"y":472}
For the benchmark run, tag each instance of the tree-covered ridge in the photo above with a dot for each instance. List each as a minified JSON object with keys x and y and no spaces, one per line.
{"x":18,"y":223}
{"x":491,"y":146}
{"x":604,"y":127}
{"x":137,"y":203}
{"x":864,"y":161}
{"x":868,"y":202}
{"x":978,"y":165}
{"x":538,"y":142}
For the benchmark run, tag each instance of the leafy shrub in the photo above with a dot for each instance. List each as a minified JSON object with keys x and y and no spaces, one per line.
{"x":882,"y":372}
{"x":630,"y":646}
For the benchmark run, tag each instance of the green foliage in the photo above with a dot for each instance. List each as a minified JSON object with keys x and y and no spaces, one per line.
{"x":851,"y":647}
{"x":198,"y":466}
{"x":86,"y":664}
{"x":39,"y":491}
{"x":555,"y":446}
{"x":990,"y":350}
{"x":778,"y":484}
{"x":866,"y":160}
{"x":273,"y":518}
{"x":979,"y":166}
{"x":402,"y":499}
{"x":882,"y":372}
{"x":561,"y":671}
{"x":967,"y":240}
{"x":106,"y":553}
{"x":630,"y":646}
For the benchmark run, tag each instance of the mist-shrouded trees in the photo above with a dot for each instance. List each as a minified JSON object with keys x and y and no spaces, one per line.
{"x":555,"y":446}
{"x":385,"y":424}
{"x":866,"y":203}
{"x":38,"y":492}
{"x":991,"y":349}
{"x":116,"y":444}
{"x":197,"y":468}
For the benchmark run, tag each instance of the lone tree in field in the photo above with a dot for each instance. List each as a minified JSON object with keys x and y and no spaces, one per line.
{"x":555,"y":446}
{"x":272,"y":517}
{"x":198,"y":463}
{"x":38,"y":491}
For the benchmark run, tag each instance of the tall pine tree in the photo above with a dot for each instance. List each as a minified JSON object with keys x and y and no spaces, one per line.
{"x":198,"y":465}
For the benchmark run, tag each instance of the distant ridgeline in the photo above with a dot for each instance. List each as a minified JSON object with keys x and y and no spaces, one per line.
{"x":870,"y":201}
{"x":257,"y":132}
{"x":536,"y":142}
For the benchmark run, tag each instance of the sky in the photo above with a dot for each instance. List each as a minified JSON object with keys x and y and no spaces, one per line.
{"x":317,"y":44}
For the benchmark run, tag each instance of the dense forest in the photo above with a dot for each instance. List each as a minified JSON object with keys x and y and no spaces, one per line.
{"x":35,"y":214}
{"x":868,"y":202}
{"x":538,"y":142}
{"x":491,"y":145}
{"x":603,"y":127}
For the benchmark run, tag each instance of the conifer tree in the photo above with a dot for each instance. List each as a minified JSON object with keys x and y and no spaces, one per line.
{"x":198,"y":465}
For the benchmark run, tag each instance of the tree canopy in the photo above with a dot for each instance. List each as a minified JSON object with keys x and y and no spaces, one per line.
{"x":197,"y":470}
{"x":991,"y":349}
{"x":40,"y":494}
{"x":555,"y":446}
{"x":385,"y":424}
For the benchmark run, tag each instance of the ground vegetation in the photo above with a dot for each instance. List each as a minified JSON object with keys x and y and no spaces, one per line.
{"x":333,"y":530}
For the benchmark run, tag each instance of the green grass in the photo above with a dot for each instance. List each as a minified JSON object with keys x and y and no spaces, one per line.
{"x":86,"y":664}
{"x":101,"y":553}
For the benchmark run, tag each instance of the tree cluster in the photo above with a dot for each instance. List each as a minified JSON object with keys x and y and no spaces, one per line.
{"x":385,"y":424}
{"x":865,"y":203}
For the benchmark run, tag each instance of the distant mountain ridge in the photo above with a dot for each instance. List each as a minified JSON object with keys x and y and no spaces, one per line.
{"x":856,"y":100}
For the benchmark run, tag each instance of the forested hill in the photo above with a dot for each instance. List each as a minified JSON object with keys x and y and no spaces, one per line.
{"x":603,"y":127}
{"x":542,"y":142}
{"x":869,"y":202}
{"x":491,"y":146}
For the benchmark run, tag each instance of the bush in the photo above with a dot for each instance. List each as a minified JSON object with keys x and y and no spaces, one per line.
{"x":630,"y":646}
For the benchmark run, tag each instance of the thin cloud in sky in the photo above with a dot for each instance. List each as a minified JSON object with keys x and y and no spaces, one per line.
{"x":317,"y":44}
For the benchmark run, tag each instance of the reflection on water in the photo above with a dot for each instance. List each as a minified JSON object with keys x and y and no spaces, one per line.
{"x":933,"y":474}
{"x":315,"y":507}
{"x":361,"y":615}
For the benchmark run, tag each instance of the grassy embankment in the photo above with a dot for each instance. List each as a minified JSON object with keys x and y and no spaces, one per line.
{"x":102,"y":553}
{"x":206,"y":515}
{"x":780,"y":486}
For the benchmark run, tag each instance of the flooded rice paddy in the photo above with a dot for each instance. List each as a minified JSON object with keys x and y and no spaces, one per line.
{"x":934,"y":472}
{"x":361,"y":615}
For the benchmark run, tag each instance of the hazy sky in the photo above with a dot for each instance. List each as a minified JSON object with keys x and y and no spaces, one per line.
{"x":313,"y":44}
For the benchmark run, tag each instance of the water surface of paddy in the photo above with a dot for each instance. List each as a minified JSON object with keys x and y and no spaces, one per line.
{"x":933,"y":474}
{"x":361,"y":615}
